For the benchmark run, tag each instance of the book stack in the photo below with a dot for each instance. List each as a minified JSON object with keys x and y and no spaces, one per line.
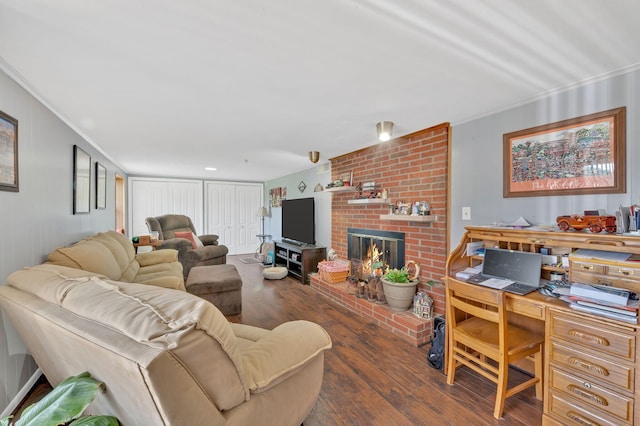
{"x":606,"y":301}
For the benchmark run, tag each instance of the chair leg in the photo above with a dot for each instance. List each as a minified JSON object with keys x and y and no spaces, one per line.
{"x":501,"y":391}
{"x":451,"y":367}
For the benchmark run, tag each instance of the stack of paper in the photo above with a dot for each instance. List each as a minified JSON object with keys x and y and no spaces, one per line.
{"x":607,"y":301}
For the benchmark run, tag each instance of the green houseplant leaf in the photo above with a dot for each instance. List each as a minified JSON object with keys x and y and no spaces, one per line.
{"x":64,"y":403}
{"x":397,"y":275}
{"x":95,"y":421}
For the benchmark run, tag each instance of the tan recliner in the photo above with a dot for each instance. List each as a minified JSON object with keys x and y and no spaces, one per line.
{"x":166,"y":357}
{"x":210,"y":253}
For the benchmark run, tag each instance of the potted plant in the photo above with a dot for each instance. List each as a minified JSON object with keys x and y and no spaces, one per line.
{"x":64,"y":405}
{"x":399,"y":288}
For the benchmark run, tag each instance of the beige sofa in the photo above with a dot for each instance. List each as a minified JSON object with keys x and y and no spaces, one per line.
{"x":167,"y":357}
{"x":112,"y":255}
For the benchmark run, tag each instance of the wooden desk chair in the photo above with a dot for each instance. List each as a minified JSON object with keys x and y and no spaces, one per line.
{"x":480,"y":338}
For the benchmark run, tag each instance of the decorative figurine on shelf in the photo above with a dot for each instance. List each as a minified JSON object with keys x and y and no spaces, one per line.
{"x":595,"y":224}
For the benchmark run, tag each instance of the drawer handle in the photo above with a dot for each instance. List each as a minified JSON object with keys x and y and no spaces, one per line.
{"x":589,"y":337}
{"x":625,"y":272}
{"x":604,"y":282}
{"x":579,"y":419}
{"x":536,"y":241}
{"x":588,"y":395}
{"x":588,"y":366}
{"x":587,"y":267}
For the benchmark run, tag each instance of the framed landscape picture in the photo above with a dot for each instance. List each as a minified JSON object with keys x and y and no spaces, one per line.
{"x":8,"y":153}
{"x":583,"y":155}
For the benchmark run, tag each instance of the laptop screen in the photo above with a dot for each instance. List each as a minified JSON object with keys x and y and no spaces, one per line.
{"x":519,"y":266}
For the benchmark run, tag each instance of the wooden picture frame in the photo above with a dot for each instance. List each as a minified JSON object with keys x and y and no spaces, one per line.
{"x":583,"y":155}
{"x":81,"y":181}
{"x":8,"y":153}
{"x":101,"y":186}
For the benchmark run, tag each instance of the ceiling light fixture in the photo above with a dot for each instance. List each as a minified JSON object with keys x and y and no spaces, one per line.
{"x":384,"y":129}
{"x":210,"y":168}
{"x":314,"y":156}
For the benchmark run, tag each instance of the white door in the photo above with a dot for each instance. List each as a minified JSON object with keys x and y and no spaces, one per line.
{"x":155,"y":197}
{"x":231,"y":212}
{"x":248,"y":200}
{"x":219,"y":209}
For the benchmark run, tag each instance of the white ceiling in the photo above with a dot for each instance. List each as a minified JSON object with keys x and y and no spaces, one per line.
{"x":250,"y":86}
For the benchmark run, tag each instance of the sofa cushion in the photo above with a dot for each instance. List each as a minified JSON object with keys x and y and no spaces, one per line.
{"x":188,"y":236}
{"x":89,"y":255}
{"x":118,"y":248}
{"x":196,"y":333}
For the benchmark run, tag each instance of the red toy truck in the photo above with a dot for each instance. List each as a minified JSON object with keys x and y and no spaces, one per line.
{"x":595,"y":223}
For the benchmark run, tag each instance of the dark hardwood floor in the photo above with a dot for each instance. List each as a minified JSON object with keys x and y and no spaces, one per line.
{"x":371,"y":376}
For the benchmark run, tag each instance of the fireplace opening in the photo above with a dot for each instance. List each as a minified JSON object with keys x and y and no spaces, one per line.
{"x":371,"y":245}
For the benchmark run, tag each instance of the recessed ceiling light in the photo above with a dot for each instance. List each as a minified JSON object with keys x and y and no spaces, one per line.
{"x":211,"y":168}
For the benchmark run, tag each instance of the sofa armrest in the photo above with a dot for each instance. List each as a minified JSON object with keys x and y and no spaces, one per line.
{"x":278,"y":354}
{"x":156,"y":257}
{"x":209,"y":239}
{"x":201,"y":254}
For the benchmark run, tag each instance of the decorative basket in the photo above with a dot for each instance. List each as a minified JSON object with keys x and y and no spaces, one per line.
{"x":334,"y":271}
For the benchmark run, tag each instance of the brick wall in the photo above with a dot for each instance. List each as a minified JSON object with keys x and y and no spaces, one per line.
{"x":411,"y":168}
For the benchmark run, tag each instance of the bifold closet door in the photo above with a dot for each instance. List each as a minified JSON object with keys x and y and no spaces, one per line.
{"x":155,"y":197}
{"x":231,"y":211}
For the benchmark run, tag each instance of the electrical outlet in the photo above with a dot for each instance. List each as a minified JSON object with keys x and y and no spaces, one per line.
{"x":466,"y":213}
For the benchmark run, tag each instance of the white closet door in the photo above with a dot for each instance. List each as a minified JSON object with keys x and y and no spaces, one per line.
{"x":220,"y":202}
{"x":155,"y":197}
{"x":231,"y":212}
{"x":248,"y":200}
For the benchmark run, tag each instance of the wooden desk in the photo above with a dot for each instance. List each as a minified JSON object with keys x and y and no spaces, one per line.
{"x":592,"y":364}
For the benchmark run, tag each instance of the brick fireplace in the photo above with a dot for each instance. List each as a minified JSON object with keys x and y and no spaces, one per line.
{"x":410,"y":168}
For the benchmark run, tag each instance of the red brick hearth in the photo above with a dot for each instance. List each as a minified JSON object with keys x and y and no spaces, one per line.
{"x":414,"y":330}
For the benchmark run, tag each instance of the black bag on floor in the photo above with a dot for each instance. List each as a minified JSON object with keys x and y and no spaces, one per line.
{"x":436,"y":351}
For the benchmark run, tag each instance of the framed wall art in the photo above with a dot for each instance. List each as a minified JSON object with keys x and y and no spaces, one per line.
{"x":583,"y":155}
{"x":8,"y":153}
{"x":81,"y":181}
{"x":101,"y":186}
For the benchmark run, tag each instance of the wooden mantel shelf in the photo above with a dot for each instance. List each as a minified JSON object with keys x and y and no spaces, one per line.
{"x":410,"y":218}
{"x":346,"y":188}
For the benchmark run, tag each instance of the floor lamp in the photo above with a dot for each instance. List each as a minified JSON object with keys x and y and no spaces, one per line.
{"x":262,"y":213}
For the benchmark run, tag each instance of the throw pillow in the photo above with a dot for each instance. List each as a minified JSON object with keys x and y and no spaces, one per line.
{"x":197,"y":241}
{"x":188,"y":236}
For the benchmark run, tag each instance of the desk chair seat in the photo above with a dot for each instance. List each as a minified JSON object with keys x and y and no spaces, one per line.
{"x":481,"y":338}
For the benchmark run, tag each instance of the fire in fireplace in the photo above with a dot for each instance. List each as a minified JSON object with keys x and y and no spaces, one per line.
{"x":372,"y":245}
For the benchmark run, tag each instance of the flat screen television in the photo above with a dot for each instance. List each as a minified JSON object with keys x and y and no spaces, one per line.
{"x":298,"y":221}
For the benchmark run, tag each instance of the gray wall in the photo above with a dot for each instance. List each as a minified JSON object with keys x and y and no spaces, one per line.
{"x":40,"y":217}
{"x":311,"y":177}
{"x":476,"y":171}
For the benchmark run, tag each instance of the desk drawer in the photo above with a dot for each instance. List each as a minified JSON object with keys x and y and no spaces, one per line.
{"x":612,"y":280}
{"x":599,"y":336}
{"x":618,"y":374}
{"x":572,"y":412}
{"x":526,"y":307}
{"x":590,"y":393}
{"x":593,"y":268}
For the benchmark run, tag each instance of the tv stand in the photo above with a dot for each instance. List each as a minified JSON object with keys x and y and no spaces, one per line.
{"x":300,"y":260}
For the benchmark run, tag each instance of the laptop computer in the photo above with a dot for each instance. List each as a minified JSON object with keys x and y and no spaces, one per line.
{"x":510,"y":270}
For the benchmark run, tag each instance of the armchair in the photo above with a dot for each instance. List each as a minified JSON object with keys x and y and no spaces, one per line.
{"x":209,"y":252}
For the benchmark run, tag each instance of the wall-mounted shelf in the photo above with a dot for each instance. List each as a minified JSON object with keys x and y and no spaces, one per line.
{"x":409,"y":218}
{"x":347,"y":188}
{"x":368,"y":201}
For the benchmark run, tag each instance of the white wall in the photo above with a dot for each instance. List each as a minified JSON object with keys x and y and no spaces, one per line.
{"x":39,"y":217}
{"x":311,"y":177}
{"x":476,"y":171}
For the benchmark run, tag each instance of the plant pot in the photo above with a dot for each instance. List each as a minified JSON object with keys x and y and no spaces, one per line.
{"x":399,"y":295}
